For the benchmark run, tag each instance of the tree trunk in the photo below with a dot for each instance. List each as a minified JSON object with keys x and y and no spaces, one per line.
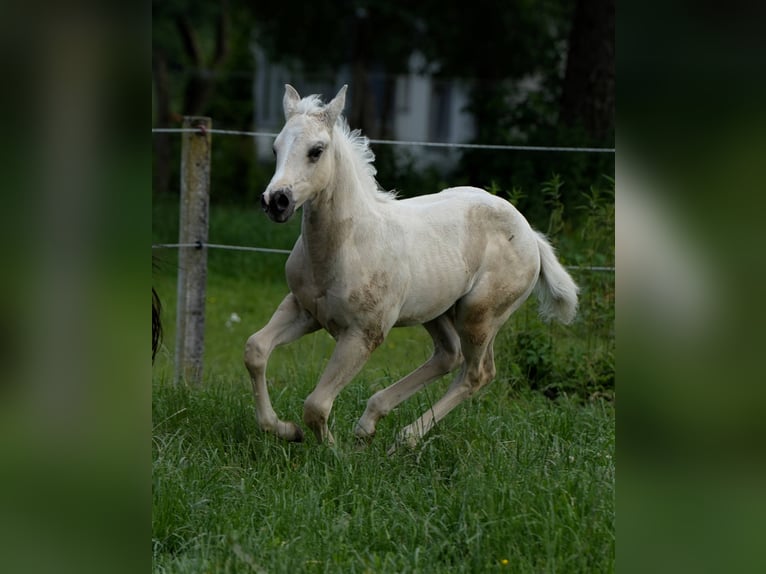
{"x":201,"y":84}
{"x":362,"y":111}
{"x":587,"y":97}
{"x":161,"y":171}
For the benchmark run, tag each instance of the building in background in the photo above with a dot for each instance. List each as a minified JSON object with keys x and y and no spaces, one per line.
{"x":424,"y":108}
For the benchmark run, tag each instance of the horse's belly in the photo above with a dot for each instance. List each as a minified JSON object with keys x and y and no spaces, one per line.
{"x":426,"y":304}
{"x":440,"y":271}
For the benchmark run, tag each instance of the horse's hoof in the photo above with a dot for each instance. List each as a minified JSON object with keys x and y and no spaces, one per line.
{"x":405,"y":439}
{"x":291,"y":432}
{"x":363,"y":441}
{"x":363,"y":437}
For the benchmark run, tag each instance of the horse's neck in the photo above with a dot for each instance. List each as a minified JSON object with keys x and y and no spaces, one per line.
{"x":328,"y":220}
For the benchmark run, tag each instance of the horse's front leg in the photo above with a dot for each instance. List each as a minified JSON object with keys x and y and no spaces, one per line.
{"x":289,"y":322}
{"x":351,"y":353}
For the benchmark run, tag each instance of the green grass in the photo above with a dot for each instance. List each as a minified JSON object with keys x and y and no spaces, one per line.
{"x":511,"y":481}
{"x":516,"y":478}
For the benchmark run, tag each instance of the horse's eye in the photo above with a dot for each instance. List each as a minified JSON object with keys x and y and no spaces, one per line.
{"x":315,"y":152}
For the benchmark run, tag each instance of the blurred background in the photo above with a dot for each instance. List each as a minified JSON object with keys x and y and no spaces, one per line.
{"x":525,"y":73}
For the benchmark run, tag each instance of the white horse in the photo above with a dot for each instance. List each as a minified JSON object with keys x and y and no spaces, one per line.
{"x":459,"y":262}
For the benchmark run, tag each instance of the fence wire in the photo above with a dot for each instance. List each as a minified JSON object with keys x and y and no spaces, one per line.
{"x":402,"y":142}
{"x":200,"y":245}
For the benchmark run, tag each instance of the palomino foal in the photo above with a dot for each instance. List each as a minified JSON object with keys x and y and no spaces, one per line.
{"x":459,"y":262}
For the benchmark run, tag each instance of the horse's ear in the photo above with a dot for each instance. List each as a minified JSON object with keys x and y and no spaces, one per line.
{"x":290,"y":101}
{"x":335,"y":107}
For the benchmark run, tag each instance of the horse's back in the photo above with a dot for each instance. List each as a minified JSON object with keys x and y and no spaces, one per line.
{"x":469,"y":209}
{"x":463,"y":199}
{"x":461,"y":194}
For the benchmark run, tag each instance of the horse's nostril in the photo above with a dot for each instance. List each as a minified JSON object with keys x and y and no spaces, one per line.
{"x":283,"y":202}
{"x":278,"y":204}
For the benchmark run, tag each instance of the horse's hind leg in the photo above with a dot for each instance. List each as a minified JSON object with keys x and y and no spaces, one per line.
{"x":478,"y":370}
{"x":446,"y":357}
{"x":479,"y":316}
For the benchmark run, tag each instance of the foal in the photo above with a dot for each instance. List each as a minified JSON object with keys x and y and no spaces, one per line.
{"x":459,"y":262}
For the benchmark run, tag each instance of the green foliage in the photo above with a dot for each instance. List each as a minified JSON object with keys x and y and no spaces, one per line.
{"x":516,"y":196}
{"x":552,"y":193}
{"x":493,"y":188}
{"x":329,"y":31}
{"x":545,"y":364}
{"x":597,"y":229}
{"x":578,"y":360}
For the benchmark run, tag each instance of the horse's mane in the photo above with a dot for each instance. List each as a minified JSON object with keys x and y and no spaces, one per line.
{"x":363,"y":156}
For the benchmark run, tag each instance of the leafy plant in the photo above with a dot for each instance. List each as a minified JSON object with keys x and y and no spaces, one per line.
{"x":552,"y":192}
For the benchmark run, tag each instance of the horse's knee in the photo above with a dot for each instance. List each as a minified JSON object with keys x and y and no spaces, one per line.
{"x":256,"y":352}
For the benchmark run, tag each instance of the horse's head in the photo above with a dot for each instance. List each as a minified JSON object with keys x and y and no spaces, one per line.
{"x":303,"y":152}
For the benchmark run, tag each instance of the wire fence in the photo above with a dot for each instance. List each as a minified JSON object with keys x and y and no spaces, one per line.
{"x":454,"y":145}
{"x":193,"y":241}
{"x":200,"y":245}
{"x":403,"y":142}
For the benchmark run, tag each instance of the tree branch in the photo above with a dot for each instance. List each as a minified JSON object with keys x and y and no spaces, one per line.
{"x":222,"y":35}
{"x":189,"y":40}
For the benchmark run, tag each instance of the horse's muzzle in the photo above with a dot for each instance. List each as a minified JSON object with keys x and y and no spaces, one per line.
{"x":279,"y":206}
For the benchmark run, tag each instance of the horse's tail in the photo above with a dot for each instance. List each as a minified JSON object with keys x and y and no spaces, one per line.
{"x":555,"y":289}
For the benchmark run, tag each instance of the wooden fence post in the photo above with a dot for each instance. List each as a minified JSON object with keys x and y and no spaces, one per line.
{"x":192,"y":261}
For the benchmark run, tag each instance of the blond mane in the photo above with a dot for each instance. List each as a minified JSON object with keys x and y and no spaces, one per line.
{"x":362,"y":156}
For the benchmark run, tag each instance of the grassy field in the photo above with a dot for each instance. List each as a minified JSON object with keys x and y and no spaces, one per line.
{"x":519,"y":479}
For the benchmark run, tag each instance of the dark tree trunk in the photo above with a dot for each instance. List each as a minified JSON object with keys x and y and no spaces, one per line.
{"x":200,"y":85}
{"x":161,"y":172}
{"x":360,"y":116}
{"x":587,"y":98}
{"x":197,"y":91}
